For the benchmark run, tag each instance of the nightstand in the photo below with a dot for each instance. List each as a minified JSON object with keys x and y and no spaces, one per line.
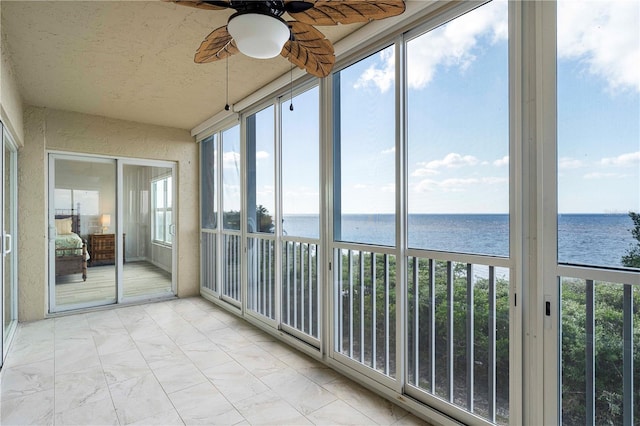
{"x":102,"y":249}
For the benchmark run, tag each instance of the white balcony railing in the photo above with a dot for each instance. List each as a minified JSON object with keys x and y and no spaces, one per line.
{"x":208,"y":260}
{"x":600,"y":349}
{"x":261,"y":276}
{"x":231,"y":266}
{"x":300,"y":277}
{"x":458,"y":334}
{"x":365,"y":308}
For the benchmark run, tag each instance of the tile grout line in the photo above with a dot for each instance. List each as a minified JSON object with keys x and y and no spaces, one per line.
{"x":207,"y":338}
{"x":113,"y":404}
{"x":147,"y":362}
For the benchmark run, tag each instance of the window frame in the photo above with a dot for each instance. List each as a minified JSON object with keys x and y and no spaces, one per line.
{"x":167,"y":229}
{"x":546,"y":290}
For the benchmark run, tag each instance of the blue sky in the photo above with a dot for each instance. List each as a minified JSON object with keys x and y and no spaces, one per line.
{"x":599,"y":106}
{"x":458,"y":119}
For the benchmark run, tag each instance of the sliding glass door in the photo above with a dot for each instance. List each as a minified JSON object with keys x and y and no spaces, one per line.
{"x":111,"y":231}
{"x":9,"y":301}
{"x":82,"y":232}
{"x":148,"y":230}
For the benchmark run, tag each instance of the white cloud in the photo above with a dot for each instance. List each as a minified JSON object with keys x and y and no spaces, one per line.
{"x":451,"y":45}
{"x":391,"y":150}
{"x":604,"y":36}
{"x":457,"y":184}
{"x":424,"y":172}
{"x":623,"y":160}
{"x":231,"y":160}
{"x":450,"y":161}
{"x":262,"y":155}
{"x":500,"y":162}
{"x":384,"y":77}
{"x":566,"y":163}
{"x":492,"y":180}
{"x":426,"y":185}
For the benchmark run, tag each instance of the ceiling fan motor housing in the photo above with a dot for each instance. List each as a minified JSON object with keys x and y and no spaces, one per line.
{"x":258,"y":34}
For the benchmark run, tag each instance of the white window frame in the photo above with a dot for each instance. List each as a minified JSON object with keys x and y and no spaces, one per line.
{"x":167,"y":237}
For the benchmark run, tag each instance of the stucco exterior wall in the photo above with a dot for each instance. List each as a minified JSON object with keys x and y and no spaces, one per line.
{"x":32,"y":231}
{"x":54,"y":130}
{"x":10,"y":99}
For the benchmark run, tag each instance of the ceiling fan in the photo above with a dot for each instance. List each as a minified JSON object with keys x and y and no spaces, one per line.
{"x":258,"y":30}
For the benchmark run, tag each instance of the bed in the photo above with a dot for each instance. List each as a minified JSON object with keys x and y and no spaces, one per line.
{"x":71,"y":249}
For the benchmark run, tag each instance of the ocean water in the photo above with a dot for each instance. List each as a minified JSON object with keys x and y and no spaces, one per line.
{"x":585,"y":239}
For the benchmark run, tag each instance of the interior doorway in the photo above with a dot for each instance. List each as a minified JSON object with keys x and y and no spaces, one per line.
{"x":111,"y":228}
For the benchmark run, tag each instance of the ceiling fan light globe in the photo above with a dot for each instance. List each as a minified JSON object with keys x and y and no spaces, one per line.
{"x":258,"y":35}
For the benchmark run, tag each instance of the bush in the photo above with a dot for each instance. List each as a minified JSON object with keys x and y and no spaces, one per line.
{"x":632,"y":258}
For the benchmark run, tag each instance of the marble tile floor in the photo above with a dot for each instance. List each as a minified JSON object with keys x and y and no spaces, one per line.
{"x":177,"y":362}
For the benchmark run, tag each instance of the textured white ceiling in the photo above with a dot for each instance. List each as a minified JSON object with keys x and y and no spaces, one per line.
{"x":131,"y":60}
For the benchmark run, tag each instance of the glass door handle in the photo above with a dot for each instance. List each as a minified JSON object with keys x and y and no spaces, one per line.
{"x":7,"y":238}
{"x":172,"y":229}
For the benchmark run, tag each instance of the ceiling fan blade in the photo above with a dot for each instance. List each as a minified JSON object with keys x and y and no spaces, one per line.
{"x":295,"y":6}
{"x":202,"y":4}
{"x":333,"y":12}
{"x":309,"y":50}
{"x":217,"y":45}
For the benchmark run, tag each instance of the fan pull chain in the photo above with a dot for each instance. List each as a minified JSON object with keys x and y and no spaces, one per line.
{"x":291,"y":87}
{"x":226,"y":105}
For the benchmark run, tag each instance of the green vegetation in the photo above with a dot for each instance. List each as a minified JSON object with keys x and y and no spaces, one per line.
{"x":482,"y":318}
{"x":359,"y":300}
{"x":608,"y":349}
{"x":367,"y":313}
{"x":262,"y":218}
{"x":632,"y":258}
{"x":608,"y":335}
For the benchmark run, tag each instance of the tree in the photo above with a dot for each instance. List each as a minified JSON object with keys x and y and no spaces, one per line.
{"x":261,"y":222}
{"x":264,"y":219}
{"x":632,"y":258}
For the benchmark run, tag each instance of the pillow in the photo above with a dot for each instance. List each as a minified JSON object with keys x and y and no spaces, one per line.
{"x":63,"y":226}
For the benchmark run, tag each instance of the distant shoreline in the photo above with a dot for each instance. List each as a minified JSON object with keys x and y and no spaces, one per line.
{"x":452,"y":214}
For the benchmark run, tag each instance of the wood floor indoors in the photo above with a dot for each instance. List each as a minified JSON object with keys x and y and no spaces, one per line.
{"x":139,"y":278}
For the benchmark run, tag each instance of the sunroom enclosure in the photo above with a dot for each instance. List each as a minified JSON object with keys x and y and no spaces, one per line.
{"x":413,"y":219}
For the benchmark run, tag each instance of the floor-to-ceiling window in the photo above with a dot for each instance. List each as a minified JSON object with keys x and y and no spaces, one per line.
{"x":209,"y":213}
{"x":300,"y":201}
{"x":260,"y":199}
{"x":458,"y":266}
{"x":281,"y":228}
{"x":231,"y":194}
{"x":598,"y":211}
{"x":365,"y":227}
{"x":423,"y":214}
